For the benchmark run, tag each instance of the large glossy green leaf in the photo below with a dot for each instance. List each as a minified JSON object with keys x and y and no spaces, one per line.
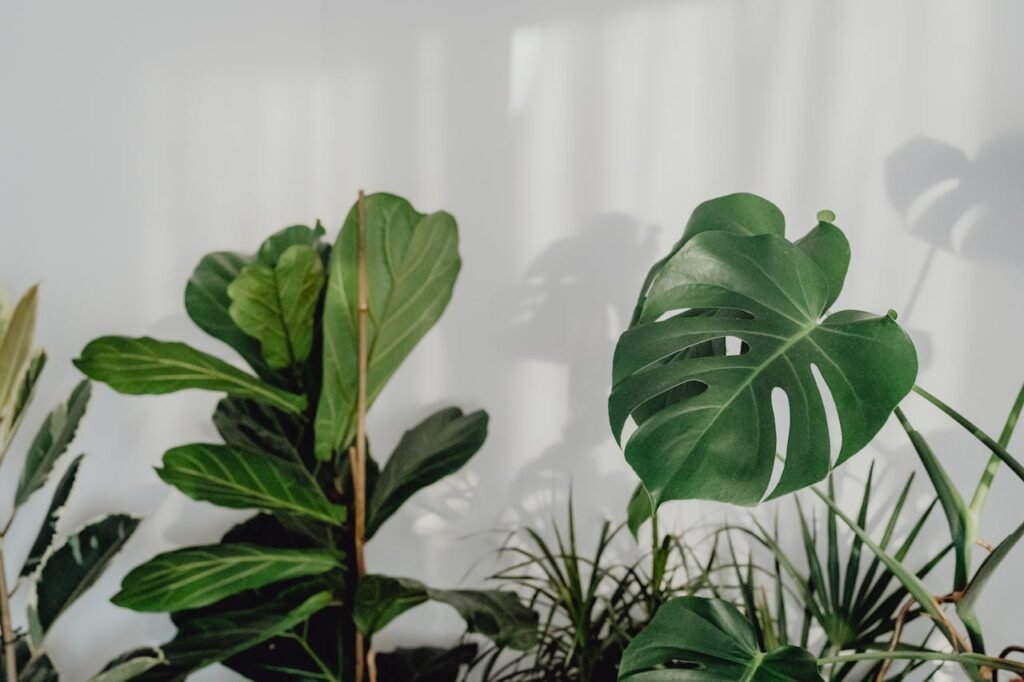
{"x":719,"y":442}
{"x":51,"y":442}
{"x":497,"y":615}
{"x":44,"y":539}
{"x":255,"y":426}
{"x":146,"y":366}
{"x":275,"y":305}
{"x":76,"y":565}
{"x":274,"y":246}
{"x":197,"y":576}
{"x":436,"y":447}
{"x":692,"y":639}
{"x":425,"y":664}
{"x":241,"y":479}
{"x":216,"y":637}
{"x":412,"y":263}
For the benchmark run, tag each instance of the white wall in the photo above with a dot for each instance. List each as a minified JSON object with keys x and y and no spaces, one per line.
{"x":571,"y":140}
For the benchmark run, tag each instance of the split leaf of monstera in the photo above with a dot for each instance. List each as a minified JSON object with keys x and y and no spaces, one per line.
{"x":717,"y":440}
{"x":693,"y":639}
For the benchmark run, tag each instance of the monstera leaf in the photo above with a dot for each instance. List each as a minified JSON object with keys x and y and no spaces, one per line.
{"x":412,"y":263}
{"x":692,"y":639}
{"x":716,"y":440}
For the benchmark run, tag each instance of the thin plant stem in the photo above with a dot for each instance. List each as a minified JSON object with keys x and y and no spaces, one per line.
{"x":962,"y":658}
{"x":10,"y":663}
{"x":997,"y":449}
{"x":358,"y":453}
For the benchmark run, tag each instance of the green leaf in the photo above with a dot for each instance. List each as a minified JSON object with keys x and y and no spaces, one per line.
{"x":16,"y":345}
{"x":275,"y":305}
{"x":965,"y":607}
{"x":39,"y":668}
{"x":130,"y":665}
{"x":10,"y":417}
{"x":639,"y":510}
{"x":720,"y":443}
{"x":699,"y":639}
{"x":412,"y":263}
{"x":48,"y":530}
{"x":219,"y":636}
{"x":146,"y":366}
{"x":497,"y":615}
{"x":251,"y":425}
{"x":436,"y":447}
{"x":72,"y":569}
{"x":207,"y":303}
{"x":51,"y":442}
{"x":197,"y":576}
{"x":274,"y":246}
{"x":828,"y":248}
{"x":425,"y":664}
{"x":234,"y":478}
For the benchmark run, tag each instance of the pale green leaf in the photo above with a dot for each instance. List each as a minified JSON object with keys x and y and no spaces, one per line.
{"x":275,"y":305}
{"x":130,"y":665}
{"x":16,"y":349}
{"x":197,"y":576}
{"x":147,"y":366}
{"x":240,"y":479}
{"x":412,"y":263}
{"x":52,"y":440}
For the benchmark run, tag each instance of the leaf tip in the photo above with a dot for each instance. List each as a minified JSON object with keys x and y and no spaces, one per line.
{"x":826,"y":216}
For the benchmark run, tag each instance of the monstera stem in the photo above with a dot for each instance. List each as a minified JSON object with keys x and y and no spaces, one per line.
{"x":10,"y":663}
{"x":358,"y":453}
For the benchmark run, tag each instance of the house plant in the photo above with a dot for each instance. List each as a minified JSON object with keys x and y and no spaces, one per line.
{"x":58,"y":568}
{"x":323,"y":328}
{"x":705,"y":426}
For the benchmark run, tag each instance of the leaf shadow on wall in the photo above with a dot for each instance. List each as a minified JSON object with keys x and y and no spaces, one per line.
{"x":575,"y":299}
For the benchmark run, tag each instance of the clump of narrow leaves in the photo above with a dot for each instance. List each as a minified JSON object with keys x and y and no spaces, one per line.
{"x":285,"y":594}
{"x":58,"y":568}
{"x":591,"y":605}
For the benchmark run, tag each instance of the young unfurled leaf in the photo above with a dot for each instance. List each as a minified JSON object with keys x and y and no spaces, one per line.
{"x":436,"y":447}
{"x":693,"y":638}
{"x":49,"y":528}
{"x":412,"y":263}
{"x":146,"y":366}
{"x":275,"y":305}
{"x":73,"y":568}
{"x":216,"y":637}
{"x":240,"y":479}
{"x":51,"y":442}
{"x":197,"y":576}
{"x":718,"y":442}
{"x":497,"y":615}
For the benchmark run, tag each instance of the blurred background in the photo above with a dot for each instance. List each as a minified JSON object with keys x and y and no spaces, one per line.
{"x":571,"y":140}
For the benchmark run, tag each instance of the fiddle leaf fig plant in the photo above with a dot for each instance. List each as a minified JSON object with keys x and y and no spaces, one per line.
{"x":712,"y":433}
{"x":287,"y":594}
{"x":58,"y":568}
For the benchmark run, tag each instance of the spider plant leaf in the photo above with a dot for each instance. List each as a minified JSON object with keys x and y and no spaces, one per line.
{"x":853,"y":560}
{"x":147,"y":366}
{"x":833,"y":554}
{"x":239,"y":479}
{"x":696,"y":639}
{"x":73,"y":568}
{"x":953,"y":505}
{"x":51,"y":441}
{"x":965,"y":607}
{"x":412,"y":261}
{"x":47,"y":531}
{"x":197,"y":576}
{"x":276,"y":304}
{"x":435,"y":448}
{"x":497,"y":615}
{"x":720,"y":443}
